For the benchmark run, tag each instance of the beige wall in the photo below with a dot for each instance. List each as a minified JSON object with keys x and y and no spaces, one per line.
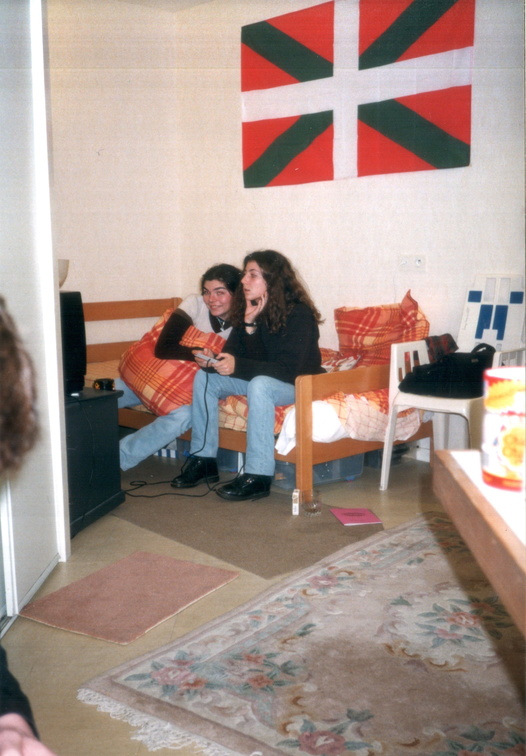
{"x":147,"y":182}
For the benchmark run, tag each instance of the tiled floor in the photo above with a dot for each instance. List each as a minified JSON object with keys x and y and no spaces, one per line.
{"x":51,"y":664}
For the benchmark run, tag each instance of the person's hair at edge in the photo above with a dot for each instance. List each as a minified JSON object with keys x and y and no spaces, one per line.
{"x":227,"y":274}
{"x":18,"y":415}
{"x":284,"y":288}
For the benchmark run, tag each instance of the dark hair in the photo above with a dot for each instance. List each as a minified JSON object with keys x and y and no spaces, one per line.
{"x":227,"y":274}
{"x":284,"y":288}
{"x":18,"y":416}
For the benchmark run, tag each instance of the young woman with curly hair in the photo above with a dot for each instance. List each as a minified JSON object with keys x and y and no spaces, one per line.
{"x":18,"y":433}
{"x":18,"y":416}
{"x":274,"y":340}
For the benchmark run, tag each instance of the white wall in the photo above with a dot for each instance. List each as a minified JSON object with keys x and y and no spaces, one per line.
{"x":148,"y":181}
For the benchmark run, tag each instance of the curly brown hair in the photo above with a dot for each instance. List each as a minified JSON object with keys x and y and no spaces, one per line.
{"x":18,"y":415}
{"x":284,"y":289}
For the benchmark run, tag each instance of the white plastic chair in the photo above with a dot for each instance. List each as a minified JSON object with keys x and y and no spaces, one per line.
{"x":403,"y":358}
{"x":510,"y":358}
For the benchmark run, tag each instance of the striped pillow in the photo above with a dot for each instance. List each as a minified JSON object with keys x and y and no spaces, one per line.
{"x":368,"y":332}
{"x":162,"y":385}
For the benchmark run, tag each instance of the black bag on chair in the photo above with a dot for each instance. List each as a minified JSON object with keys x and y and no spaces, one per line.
{"x":458,"y":375}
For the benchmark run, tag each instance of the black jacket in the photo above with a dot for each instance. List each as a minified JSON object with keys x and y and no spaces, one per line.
{"x":284,"y":355}
{"x":12,"y":699}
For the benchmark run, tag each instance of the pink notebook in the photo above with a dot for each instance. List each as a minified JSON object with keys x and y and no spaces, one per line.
{"x":356,"y":516}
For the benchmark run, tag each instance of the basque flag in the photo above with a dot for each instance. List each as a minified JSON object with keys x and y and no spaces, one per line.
{"x":355,"y":88}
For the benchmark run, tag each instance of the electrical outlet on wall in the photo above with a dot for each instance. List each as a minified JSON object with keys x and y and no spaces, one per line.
{"x":412,"y":263}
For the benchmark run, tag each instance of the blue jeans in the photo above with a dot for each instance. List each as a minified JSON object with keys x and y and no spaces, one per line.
{"x":146,"y":441}
{"x":263,"y":395}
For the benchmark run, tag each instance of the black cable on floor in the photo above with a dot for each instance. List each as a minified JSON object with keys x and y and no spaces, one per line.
{"x":138,"y":484}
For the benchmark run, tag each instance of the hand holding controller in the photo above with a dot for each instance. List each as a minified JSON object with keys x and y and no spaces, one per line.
{"x":206,"y":358}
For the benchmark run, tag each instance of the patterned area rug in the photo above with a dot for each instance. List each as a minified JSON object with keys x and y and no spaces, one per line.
{"x":395,"y":645}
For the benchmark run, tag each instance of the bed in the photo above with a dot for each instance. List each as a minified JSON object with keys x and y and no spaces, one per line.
{"x":103,"y":360}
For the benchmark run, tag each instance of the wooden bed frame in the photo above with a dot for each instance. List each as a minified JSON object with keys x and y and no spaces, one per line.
{"x":308,"y":389}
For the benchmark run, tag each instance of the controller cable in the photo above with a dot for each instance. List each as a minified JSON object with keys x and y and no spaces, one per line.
{"x":138,"y":484}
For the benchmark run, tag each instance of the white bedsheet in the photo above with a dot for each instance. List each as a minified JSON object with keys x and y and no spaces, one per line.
{"x":326,"y":427}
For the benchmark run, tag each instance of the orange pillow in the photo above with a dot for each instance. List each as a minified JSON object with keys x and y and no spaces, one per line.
{"x":368,"y":332}
{"x":162,"y":385}
{"x":196,"y":339}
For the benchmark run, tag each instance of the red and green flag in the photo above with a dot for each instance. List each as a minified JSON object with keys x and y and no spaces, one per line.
{"x":357,"y":87}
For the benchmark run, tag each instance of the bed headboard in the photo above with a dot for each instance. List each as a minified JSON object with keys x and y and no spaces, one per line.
{"x":122,"y":310}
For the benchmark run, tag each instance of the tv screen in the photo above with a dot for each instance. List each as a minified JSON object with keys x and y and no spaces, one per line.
{"x":73,"y":341}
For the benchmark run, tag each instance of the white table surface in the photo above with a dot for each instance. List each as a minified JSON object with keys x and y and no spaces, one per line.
{"x":510,"y":505}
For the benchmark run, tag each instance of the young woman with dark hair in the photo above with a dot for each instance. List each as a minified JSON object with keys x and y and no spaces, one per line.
{"x":208,"y":311}
{"x":274,"y":339}
{"x":18,"y":433}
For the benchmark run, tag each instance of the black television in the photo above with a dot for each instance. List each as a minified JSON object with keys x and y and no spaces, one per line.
{"x":73,"y":341}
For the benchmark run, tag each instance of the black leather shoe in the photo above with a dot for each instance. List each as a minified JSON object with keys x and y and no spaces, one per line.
{"x":246,"y":487}
{"x":196,"y":470}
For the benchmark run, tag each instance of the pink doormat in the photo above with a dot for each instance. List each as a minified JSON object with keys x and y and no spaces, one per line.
{"x":121,"y":602}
